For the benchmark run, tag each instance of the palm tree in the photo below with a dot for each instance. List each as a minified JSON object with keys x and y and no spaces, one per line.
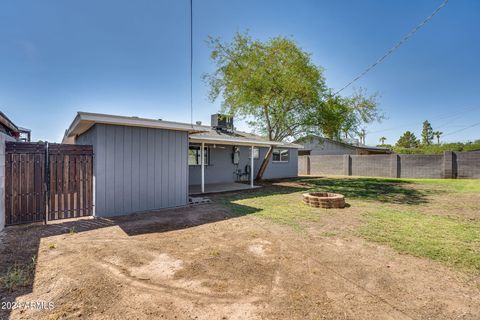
{"x":438,"y":134}
{"x":382,"y":140}
{"x":362,"y":134}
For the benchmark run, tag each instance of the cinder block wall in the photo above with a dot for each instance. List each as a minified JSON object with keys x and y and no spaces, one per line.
{"x":3,"y":139}
{"x":328,"y":164}
{"x":421,"y":166}
{"x":468,"y":164}
{"x":464,"y":165}
{"x":371,"y":166}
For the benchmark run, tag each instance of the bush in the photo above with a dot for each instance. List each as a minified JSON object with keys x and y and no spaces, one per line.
{"x":439,"y":148}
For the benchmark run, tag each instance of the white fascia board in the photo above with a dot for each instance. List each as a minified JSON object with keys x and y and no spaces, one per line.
{"x":243,"y":142}
{"x":84,"y":120}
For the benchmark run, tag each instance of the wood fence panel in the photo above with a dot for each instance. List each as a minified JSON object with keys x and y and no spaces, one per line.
{"x":71,"y":168}
{"x":24,"y":187}
{"x":66,"y":180}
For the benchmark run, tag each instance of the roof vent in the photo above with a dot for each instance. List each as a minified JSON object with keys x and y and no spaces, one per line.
{"x":222,"y":122}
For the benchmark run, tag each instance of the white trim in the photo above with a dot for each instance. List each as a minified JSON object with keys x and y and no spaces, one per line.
{"x":281,"y":161}
{"x":202,"y":162}
{"x":85,"y":120}
{"x":238,"y":142}
{"x":251,"y":166}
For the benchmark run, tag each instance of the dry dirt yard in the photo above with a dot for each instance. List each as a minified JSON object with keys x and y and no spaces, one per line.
{"x":257,"y":255}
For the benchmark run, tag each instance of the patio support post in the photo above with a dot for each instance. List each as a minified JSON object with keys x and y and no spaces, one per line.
{"x":251,"y":168}
{"x":202,"y":162}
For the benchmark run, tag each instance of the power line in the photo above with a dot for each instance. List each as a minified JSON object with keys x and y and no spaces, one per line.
{"x":441,"y":117}
{"x":463,"y":129}
{"x":191,"y":62}
{"x":395,"y":47}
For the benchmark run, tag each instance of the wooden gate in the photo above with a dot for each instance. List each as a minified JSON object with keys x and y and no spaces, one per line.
{"x":47,"y":182}
{"x":70,"y":181}
{"x":24,"y":182}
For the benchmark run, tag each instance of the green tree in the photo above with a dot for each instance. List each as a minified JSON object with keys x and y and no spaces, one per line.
{"x":382,"y":140}
{"x":407,"y":140}
{"x":339,"y":117}
{"x":427,"y":133}
{"x":437,"y":135}
{"x":273,"y":85}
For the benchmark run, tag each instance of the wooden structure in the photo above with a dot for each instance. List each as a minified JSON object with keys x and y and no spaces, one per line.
{"x":47,"y":182}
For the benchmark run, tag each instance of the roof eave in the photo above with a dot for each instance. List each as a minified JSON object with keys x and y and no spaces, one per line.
{"x":84,"y":121}
{"x":244,"y":142}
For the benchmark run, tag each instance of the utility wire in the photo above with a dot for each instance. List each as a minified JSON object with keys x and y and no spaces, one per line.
{"x":191,"y":62}
{"x":463,"y":129}
{"x":454,"y":115}
{"x":395,"y":47}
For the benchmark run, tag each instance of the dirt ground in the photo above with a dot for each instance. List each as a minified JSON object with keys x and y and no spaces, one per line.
{"x":203,"y":263}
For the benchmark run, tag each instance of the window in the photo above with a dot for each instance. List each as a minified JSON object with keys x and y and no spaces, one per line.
{"x":280,"y":155}
{"x":256,"y":153}
{"x":194,"y":156}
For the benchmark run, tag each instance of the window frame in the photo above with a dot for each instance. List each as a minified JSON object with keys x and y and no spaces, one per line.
{"x":256,"y":153}
{"x":279,"y":151}
{"x":197,"y":155}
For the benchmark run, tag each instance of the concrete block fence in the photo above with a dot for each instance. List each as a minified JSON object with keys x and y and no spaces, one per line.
{"x":450,"y":165}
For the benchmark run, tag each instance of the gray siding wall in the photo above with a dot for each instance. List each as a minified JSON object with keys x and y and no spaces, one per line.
{"x":137,"y":169}
{"x":221,"y":169}
{"x":3,"y":139}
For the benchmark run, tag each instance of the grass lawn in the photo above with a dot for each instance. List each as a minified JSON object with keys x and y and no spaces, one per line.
{"x":437,"y":219}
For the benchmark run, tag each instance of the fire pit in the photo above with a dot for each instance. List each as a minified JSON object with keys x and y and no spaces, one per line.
{"x":324,"y":200}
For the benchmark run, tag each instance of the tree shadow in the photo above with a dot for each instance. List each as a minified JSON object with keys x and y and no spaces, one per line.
{"x":395,"y":191}
{"x":18,"y":244}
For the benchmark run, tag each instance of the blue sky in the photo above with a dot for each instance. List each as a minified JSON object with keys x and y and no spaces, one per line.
{"x":131,"y":58}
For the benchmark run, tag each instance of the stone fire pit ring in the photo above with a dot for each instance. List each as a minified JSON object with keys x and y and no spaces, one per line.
{"x":325,"y":200}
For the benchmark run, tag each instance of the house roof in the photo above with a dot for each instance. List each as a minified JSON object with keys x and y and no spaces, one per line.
{"x":7,"y":122}
{"x":211,"y":135}
{"x":85,"y":120}
{"x":198,"y":133}
{"x":351,"y":146}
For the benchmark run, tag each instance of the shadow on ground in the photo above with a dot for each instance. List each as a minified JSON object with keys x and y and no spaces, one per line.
{"x":394,"y":191}
{"x":20,"y":243}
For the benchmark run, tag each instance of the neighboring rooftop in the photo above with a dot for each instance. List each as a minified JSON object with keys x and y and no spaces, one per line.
{"x":7,"y":126}
{"x":348,"y":145}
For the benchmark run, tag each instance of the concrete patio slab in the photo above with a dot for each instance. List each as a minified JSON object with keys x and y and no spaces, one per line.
{"x":219,"y":187}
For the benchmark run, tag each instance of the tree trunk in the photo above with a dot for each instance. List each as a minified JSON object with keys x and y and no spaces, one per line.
{"x":264,"y":165}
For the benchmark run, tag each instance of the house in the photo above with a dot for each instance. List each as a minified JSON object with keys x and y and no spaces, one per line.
{"x":314,"y":145}
{"x":145,"y":164}
{"x":8,"y":132}
{"x":9,"y":129}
